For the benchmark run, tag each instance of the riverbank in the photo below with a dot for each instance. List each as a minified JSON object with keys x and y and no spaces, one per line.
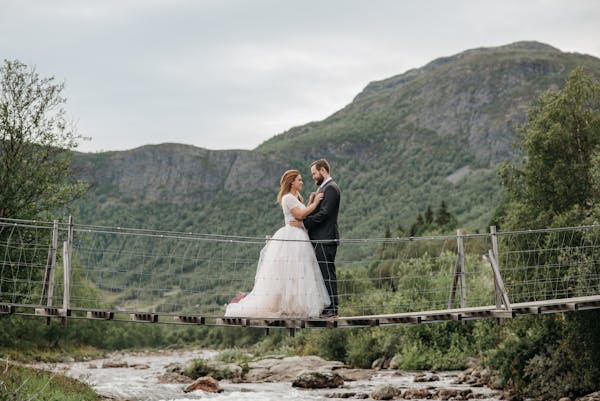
{"x":26,"y":383}
{"x":154,"y":376}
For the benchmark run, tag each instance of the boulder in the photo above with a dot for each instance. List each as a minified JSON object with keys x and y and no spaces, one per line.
{"x":590,"y":397}
{"x":394,"y":362}
{"x":386,"y":393}
{"x":318,"y":379}
{"x":354,"y":374}
{"x":216,"y":369}
{"x":171,"y":377}
{"x":286,"y":369}
{"x":477,"y":396}
{"x":451,"y":393}
{"x":378,"y":363}
{"x":446,"y":393}
{"x":175,"y":368}
{"x":461,"y":378}
{"x":507,"y":395}
{"x":114,"y":364}
{"x":206,"y":384}
{"x":356,"y":396}
{"x":417,"y":393}
{"x":422,"y":377}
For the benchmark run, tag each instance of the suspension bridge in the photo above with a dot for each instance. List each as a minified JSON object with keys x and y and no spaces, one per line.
{"x":68,"y":271}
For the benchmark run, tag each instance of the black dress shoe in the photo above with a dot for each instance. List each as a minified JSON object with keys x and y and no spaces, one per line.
{"x":328,"y":315}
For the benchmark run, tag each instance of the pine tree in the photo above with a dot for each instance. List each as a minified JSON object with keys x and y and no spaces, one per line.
{"x":428,"y":215}
{"x":443,"y":216}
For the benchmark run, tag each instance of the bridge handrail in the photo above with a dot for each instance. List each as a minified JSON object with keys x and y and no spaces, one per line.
{"x":255,"y":239}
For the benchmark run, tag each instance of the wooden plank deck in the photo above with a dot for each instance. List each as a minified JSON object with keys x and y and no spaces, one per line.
{"x":483,"y":312}
{"x":433,"y":316}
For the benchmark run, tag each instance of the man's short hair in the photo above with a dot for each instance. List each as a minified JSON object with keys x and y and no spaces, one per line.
{"x":321,"y":163}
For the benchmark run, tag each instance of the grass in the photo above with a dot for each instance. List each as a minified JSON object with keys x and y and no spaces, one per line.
{"x":19,"y":383}
{"x":35,"y":354}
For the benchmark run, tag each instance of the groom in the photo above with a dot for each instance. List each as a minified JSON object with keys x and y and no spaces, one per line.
{"x":322,"y":227}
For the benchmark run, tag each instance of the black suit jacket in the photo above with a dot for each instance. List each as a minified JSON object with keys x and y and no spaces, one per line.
{"x":322,"y":222}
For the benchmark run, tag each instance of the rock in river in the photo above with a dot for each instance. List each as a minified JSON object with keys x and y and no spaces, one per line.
{"x":315,"y":379}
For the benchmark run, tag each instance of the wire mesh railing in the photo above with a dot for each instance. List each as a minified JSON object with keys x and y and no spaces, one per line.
{"x":71,"y":266}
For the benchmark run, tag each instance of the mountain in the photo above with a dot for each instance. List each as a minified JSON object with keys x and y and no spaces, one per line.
{"x":431,"y":134}
{"x":479,"y":96}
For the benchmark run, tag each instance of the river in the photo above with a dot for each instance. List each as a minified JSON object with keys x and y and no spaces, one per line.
{"x":141,"y":383}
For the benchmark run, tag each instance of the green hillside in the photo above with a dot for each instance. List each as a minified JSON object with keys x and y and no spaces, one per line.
{"x":432,"y":134}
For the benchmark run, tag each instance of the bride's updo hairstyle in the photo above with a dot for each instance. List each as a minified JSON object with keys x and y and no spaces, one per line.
{"x":286,"y":184}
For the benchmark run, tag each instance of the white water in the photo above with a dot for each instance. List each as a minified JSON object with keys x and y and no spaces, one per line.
{"x":142,"y":384}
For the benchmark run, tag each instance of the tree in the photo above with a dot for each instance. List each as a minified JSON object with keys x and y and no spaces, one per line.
{"x":560,"y":139}
{"x":556,"y":184}
{"x":417,"y":226}
{"x":36,"y":143}
{"x":428,"y":215}
{"x":443,"y":216}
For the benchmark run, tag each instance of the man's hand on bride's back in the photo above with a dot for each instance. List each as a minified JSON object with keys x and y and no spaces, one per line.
{"x":296,"y":223}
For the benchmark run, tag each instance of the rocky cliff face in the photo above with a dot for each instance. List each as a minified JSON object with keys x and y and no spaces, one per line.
{"x":175,"y":173}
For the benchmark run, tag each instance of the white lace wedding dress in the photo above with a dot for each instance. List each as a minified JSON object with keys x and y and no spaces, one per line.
{"x":288,"y":281}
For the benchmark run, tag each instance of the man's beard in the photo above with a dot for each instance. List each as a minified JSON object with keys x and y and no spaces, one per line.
{"x":319,"y":180}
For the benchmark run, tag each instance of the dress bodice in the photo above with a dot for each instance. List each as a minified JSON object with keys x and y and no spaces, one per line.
{"x":288,"y":202}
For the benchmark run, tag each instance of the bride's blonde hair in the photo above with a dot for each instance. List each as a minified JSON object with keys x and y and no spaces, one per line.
{"x":285,"y":184}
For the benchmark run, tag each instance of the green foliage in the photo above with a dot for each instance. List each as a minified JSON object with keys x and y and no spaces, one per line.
{"x":363,"y":347}
{"x":21,"y":383}
{"x":234,"y":355}
{"x":560,"y":139}
{"x":201,"y":367}
{"x":555,"y":186}
{"x":35,"y":144}
{"x":549,"y":357}
{"x":441,"y":222}
{"x":331,"y":345}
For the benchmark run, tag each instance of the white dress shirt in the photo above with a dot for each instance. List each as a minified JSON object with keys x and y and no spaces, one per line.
{"x":324,"y":182}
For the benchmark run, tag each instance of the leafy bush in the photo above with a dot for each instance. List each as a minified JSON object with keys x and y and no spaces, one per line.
{"x":202,"y":367}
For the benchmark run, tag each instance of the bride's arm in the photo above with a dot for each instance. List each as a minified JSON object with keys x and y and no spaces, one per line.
{"x":300,"y":213}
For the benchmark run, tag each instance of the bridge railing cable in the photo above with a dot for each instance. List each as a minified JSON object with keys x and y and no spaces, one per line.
{"x":128,"y":270}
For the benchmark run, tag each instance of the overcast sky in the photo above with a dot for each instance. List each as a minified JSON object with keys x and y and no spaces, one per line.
{"x":229,"y":74}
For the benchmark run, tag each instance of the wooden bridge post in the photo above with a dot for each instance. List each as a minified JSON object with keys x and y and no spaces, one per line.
{"x":494,"y":238}
{"x":48,"y":291}
{"x":461,"y":261}
{"x":459,"y":273}
{"x":501,"y":295}
{"x":48,"y":283}
{"x":67,"y":253}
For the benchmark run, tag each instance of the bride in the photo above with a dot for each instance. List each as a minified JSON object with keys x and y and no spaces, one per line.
{"x":288,"y":281}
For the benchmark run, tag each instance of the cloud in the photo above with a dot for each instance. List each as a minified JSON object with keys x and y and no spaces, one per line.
{"x":231,"y":73}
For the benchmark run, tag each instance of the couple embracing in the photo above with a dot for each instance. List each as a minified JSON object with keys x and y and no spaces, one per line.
{"x":296,"y":277}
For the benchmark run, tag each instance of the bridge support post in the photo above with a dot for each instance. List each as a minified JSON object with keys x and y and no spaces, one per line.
{"x":501,"y":295}
{"x":67,"y":253}
{"x":459,"y":273}
{"x":48,"y":283}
